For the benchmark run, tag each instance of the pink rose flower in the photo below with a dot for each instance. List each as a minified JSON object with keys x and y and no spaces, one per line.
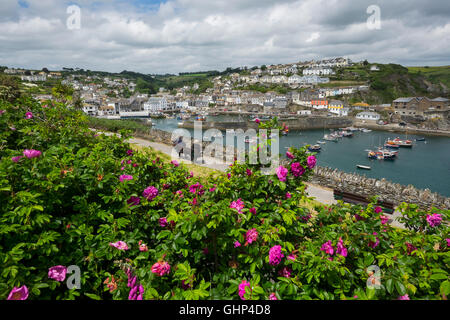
{"x":175,"y":163}
{"x":328,"y":248}
{"x":297,"y":169}
{"x":57,"y":273}
{"x":142,"y":246}
{"x":125,"y":177}
{"x":28,"y":115}
{"x":120,"y":245}
{"x":275,"y":255}
{"x":18,"y":293}
{"x":341,"y":249}
{"x":251,"y":235}
{"x":378,"y":209}
{"x":241,"y":288}
{"x":161,"y":268}
{"x":133,"y":201}
{"x":238,"y":205}
{"x":311,"y":161}
{"x":273,"y":296}
{"x":32,"y":153}
{"x":289,"y":155}
{"x":150,"y":193}
{"x":16,"y":159}
{"x":282,"y":173}
{"x":376,"y":243}
{"x":434,"y":220}
{"x":163,"y":222}
{"x":237,"y":244}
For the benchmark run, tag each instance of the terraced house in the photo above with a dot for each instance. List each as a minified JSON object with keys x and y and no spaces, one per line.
{"x":419,"y":106}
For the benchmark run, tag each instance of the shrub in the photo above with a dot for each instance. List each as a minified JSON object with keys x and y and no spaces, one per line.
{"x":141,"y":228}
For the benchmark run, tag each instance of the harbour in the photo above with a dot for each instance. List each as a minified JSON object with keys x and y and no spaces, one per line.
{"x":425,"y":165}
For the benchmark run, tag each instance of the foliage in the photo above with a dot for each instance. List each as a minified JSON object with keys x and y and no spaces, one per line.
{"x":117,"y":125}
{"x":9,"y":88}
{"x":67,"y":206}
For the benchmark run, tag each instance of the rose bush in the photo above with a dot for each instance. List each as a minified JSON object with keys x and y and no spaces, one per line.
{"x":139,"y":227}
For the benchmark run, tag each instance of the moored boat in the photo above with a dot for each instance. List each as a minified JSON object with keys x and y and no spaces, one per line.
{"x":401,"y":143}
{"x":360,"y":166}
{"x":330,"y":137}
{"x":382,"y":154}
{"x":314,"y":148}
{"x":391,"y":146}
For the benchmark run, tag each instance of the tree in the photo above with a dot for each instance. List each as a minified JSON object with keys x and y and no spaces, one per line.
{"x":45,"y":70}
{"x":9,"y":88}
{"x":63,"y":93}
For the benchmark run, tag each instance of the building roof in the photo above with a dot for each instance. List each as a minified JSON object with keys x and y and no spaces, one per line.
{"x":361,"y":104}
{"x":440,"y":99}
{"x":408,"y":99}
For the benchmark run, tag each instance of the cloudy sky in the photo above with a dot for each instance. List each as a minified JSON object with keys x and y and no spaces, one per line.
{"x":172,"y":36}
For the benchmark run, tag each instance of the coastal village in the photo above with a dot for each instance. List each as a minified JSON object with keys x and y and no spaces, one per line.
{"x":307,"y":91}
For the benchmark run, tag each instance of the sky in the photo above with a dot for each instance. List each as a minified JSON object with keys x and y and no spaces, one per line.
{"x":171,"y":36}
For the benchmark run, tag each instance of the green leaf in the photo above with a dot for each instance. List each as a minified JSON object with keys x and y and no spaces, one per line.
{"x":93,"y":296}
{"x":389,"y":286}
{"x":445,"y":288}
{"x":400,"y":288}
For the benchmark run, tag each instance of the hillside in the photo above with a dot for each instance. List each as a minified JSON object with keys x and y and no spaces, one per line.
{"x":393,"y":81}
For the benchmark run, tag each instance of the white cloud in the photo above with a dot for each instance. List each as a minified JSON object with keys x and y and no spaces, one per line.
{"x":187,"y":35}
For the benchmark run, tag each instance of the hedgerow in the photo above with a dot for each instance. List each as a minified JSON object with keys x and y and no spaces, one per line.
{"x":141,"y":228}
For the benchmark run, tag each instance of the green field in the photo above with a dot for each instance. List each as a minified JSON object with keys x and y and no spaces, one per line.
{"x":434,"y":74}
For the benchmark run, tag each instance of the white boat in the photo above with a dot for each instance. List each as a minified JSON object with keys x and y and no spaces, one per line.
{"x":360,"y":166}
{"x":365,"y":130}
{"x":320,"y":141}
{"x":330,"y":137}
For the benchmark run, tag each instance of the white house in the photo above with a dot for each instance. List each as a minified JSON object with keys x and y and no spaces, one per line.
{"x":155,"y":104}
{"x":304,"y":112}
{"x":318,"y":71}
{"x":295,"y":79}
{"x":90,"y":109}
{"x":367,"y":115}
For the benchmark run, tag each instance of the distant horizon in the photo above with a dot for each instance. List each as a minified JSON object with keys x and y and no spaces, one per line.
{"x":196,"y":71}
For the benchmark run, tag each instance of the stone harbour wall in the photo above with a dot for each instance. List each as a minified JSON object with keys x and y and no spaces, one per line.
{"x":386,"y":190}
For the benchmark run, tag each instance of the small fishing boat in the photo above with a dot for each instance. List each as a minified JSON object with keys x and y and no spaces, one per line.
{"x":420,"y":139}
{"x":314,"y":148}
{"x":347,"y":134}
{"x":200,"y":118}
{"x":366,"y":130}
{"x":360,"y":166}
{"x":382,"y":154}
{"x":391,"y":146}
{"x":320,"y":141}
{"x":402,"y":143}
{"x":330,"y":137}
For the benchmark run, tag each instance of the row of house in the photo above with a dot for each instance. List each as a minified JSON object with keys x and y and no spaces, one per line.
{"x":420,"y":106}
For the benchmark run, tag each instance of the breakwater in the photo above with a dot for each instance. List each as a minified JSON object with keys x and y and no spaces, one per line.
{"x":386,"y":190}
{"x":300,"y":123}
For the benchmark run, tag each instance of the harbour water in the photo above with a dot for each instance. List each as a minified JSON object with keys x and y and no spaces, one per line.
{"x":425,"y":165}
